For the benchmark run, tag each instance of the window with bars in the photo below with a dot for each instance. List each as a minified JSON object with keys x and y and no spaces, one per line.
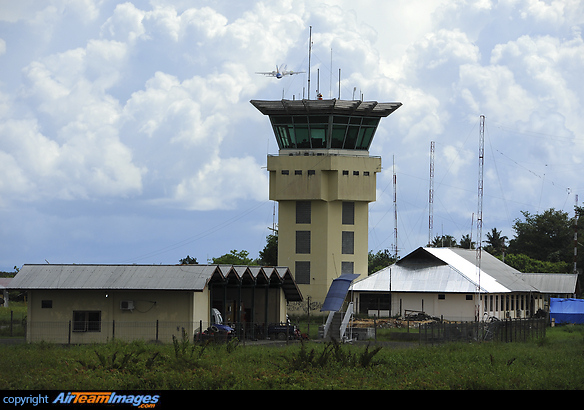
{"x":302,"y":241}
{"x":347,"y":267}
{"x":86,"y":321}
{"x":348,"y":213}
{"x":348,"y":245}
{"x":303,"y":212}
{"x":302,"y":272}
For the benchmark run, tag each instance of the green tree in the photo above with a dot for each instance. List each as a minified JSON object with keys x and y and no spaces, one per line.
{"x":545,"y":237}
{"x":234,"y":258}
{"x":443,"y":241}
{"x":466,"y":242}
{"x":495,"y":242}
{"x":269,"y":255}
{"x":188,"y":261}
{"x":379,"y":260}
{"x":525,"y":264}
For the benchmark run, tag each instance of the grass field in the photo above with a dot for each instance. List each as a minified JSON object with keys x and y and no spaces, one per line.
{"x":555,"y":362}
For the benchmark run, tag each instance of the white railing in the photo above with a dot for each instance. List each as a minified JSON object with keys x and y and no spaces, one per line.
{"x":346,"y":319}
{"x":327,"y":325}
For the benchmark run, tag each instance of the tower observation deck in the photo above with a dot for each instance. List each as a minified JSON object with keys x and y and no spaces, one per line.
{"x":325,"y":124}
{"x":323,"y":180}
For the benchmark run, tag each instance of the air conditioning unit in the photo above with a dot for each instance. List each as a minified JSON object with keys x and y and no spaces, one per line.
{"x":127,"y":305}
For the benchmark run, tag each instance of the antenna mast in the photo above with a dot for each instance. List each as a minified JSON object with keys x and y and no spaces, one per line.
{"x":480,"y":202}
{"x":309,"y":52}
{"x":576,"y":235}
{"x":395,"y":207}
{"x":431,"y":195}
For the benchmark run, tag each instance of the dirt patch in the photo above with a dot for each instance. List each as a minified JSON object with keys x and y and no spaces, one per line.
{"x":388,"y":323}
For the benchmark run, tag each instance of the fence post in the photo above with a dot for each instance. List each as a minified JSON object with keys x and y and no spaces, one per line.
{"x":157,"y":330}
{"x":69,"y":334}
{"x":11,"y":316}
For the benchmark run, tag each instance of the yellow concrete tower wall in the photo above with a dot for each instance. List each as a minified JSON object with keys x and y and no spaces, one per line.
{"x":326,"y":181}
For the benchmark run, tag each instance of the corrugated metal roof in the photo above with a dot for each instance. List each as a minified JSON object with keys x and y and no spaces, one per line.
{"x":146,"y":277}
{"x":495,"y":276}
{"x":135,"y":277}
{"x":396,"y":278}
{"x":4,"y":282}
{"x":445,"y":270}
{"x":495,"y":268}
{"x":559,"y":283}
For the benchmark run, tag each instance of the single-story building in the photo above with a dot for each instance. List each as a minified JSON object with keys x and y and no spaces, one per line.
{"x":448,"y":283}
{"x":96,"y":303}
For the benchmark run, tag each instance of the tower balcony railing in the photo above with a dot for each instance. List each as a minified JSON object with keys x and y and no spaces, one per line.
{"x":322,"y":152}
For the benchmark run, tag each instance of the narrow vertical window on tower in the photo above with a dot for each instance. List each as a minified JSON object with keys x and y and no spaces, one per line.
{"x":302,"y":272}
{"x":348,"y":245}
{"x":303,"y":212}
{"x":348,"y":213}
{"x":347,"y":267}
{"x":302,"y":241}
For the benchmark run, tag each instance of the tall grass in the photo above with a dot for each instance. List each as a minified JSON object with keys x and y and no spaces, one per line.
{"x":555,"y":362}
{"x":15,"y":312}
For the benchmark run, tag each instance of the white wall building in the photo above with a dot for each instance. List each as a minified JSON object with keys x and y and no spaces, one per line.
{"x":447,"y":283}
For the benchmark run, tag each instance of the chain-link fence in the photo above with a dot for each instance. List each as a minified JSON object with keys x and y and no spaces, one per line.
{"x":510,"y":330}
{"x":13,"y":324}
{"x":80,"y":332}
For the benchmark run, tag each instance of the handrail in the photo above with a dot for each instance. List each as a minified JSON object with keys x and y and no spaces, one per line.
{"x":328,"y":323}
{"x":346,"y":318}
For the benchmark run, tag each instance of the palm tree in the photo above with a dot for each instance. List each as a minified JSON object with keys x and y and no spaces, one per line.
{"x":466,"y":243}
{"x":496,"y":242}
{"x":443,"y":241}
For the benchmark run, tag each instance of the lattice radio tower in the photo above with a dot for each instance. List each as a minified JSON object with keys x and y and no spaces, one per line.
{"x":431,"y":195}
{"x":395,"y":208}
{"x":480,"y":202}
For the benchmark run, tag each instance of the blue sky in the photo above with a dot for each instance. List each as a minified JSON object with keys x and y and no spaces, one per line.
{"x":127,"y":136}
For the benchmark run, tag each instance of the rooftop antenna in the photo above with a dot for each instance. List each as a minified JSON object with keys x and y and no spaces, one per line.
{"x":331,"y":77}
{"x":309,"y":52}
{"x":339,"y":83}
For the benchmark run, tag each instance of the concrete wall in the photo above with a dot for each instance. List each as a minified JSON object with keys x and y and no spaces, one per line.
{"x":172,"y":310}
{"x":157,"y":315}
{"x":336,"y":179}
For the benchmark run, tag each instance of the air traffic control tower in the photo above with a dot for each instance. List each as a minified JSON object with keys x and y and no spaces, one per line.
{"x":323,"y":179}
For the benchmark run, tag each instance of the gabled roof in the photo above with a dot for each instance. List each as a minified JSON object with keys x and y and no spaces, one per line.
{"x":150,"y":277}
{"x":445,"y":270}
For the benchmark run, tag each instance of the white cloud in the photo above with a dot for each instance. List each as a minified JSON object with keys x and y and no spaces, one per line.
{"x":149,"y":102}
{"x":222,"y":183}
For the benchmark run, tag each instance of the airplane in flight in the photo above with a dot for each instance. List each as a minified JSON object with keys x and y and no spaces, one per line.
{"x":279,"y":73}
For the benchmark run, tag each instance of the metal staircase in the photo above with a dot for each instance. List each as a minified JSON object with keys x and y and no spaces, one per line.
{"x":336,"y":325}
